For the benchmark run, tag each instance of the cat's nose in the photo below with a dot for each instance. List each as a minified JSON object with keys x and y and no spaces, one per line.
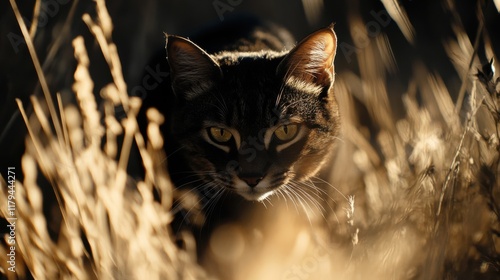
{"x":251,"y":180}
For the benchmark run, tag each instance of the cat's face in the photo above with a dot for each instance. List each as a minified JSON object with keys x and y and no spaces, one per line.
{"x":255,"y":123}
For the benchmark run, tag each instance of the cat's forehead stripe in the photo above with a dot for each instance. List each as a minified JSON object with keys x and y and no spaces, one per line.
{"x":301,"y":85}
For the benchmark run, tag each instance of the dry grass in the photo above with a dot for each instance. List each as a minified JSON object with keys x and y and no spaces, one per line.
{"x":410,"y":198}
{"x":108,"y":231}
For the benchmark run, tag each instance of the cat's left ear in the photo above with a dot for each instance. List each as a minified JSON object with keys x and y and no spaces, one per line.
{"x":192,"y":70}
{"x":311,"y":61}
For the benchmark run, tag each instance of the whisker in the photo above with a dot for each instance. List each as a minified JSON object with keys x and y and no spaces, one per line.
{"x":301,"y":201}
{"x":307,"y":195}
{"x":316,"y":203}
{"x":280,"y":192}
{"x":310,"y":183}
{"x":207,"y":206}
{"x":319,"y":192}
{"x":212,"y":201}
{"x":177,"y":150}
{"x":212,"y":205}
{"x":189,"y":183}
{"x":186,"y":215}
{"x":331,"y":186}
{"x":165,"y":159}
{"x":286,"y":190}
{"x":194,"y":189}
{"x":264,"y":202}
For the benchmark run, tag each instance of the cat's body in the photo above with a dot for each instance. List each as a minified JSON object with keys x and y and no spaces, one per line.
{"x":250,"y":118}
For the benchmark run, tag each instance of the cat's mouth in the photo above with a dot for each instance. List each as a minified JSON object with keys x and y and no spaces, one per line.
{"x":256,"y":193}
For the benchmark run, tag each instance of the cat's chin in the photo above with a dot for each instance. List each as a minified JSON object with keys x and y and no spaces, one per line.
{"x":254,"y":195}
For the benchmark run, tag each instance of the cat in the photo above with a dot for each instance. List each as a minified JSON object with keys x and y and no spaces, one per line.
{"x":249,"y":115}
{"x":251,"y":118}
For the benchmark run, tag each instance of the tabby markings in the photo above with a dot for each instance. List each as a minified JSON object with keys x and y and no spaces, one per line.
{"x":303,"y":86}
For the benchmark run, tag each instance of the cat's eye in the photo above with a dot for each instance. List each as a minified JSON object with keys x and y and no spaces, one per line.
{"x":286,"y":132}
{"x":220,"y":135}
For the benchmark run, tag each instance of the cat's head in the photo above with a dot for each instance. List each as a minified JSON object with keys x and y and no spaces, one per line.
{"x":255,"y":123}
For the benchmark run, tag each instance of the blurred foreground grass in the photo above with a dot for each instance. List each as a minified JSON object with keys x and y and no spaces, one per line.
{"x":418,"y":195}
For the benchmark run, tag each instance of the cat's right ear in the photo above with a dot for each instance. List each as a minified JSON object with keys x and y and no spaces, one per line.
{"x":311,"y":61}
{"x":192,"y":70}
